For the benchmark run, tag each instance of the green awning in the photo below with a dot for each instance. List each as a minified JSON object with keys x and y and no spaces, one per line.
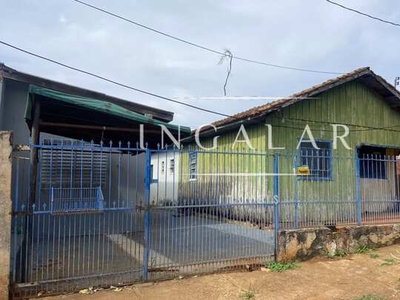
{"x":96,"y":105}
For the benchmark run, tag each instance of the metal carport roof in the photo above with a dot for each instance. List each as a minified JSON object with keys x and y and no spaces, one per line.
{"x":87,"y":118}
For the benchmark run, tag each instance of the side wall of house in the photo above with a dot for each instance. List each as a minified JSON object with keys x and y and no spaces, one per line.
{"x":1,"y":101}
{"x":13,"y":110}
{"x":353,"y":104}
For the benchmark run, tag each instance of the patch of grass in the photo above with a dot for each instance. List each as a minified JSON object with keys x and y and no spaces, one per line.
{"x":388,"y":262}
{"x":374,"y":255}
{"x":248,"y":295}
{"x":364,"y":249}
{"x":280,"y":267}
{"x":339,"y":253}
{"x":369,"y":297}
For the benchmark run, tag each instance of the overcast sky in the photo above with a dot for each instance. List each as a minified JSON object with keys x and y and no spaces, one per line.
{"x":309,"y":34}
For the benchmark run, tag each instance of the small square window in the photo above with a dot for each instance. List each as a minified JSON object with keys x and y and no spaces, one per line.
{"x":319,"y":161}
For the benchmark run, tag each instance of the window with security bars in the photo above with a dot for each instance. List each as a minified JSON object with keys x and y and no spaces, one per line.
{"x":172,"y":166}
{"x":192,"y":165}
{"x":318,"y":161}
{"x":372,"y":162}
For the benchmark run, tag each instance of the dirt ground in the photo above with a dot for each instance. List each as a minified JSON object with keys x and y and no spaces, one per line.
{"x":375,"y":273}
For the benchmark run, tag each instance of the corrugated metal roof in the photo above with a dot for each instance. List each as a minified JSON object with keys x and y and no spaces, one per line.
{"x":96,"y":105}
{"x":12,"y":74}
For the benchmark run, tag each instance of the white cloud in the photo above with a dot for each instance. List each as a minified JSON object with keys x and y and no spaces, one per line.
{"x":62,"y":19}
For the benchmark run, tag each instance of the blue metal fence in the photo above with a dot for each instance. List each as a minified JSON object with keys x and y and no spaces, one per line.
{"x":115,"y":214}
{"x":360,"y":189}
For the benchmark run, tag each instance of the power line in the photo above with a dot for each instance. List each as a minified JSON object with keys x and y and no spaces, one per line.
{"x":113,"y":81}
{"x":366,"y":128}
{"x":205,"y":48}
{"x":363,"y":14}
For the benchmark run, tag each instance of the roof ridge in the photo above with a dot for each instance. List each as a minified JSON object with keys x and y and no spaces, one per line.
{"x":294,"y":97}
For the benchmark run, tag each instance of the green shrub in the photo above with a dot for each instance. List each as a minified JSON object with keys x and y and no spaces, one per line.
{"x":369,"y":297}
{"x":248,"y":295}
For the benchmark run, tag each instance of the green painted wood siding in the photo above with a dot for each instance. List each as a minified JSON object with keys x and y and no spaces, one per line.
{"x":352,"y":104}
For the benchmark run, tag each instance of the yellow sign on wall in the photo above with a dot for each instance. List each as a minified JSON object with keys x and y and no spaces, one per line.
{"x":303,"y":171}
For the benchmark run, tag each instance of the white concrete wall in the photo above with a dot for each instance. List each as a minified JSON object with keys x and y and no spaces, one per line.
{"x":166,"y":171}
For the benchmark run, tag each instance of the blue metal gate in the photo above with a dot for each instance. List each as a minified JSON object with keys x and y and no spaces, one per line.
{"x":210,"y":210}
{"x":116,"y":214}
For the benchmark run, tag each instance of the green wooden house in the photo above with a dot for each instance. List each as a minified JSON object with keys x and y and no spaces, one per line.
{"x":315,"y":185}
